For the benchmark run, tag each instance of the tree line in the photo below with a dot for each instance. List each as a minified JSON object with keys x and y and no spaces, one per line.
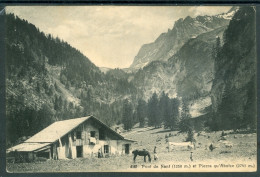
{"x":159,"y":110}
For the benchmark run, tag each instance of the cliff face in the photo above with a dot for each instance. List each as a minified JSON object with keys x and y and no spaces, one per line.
{"x":233,"y":91}
{"x":187,"y":74}
{"x":206,"y":73}
{"x":167,"y":44}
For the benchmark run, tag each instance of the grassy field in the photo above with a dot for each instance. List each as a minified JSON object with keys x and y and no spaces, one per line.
{"x":239,"y":155}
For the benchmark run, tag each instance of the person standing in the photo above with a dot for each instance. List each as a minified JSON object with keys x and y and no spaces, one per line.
{"x":155,"y":153}
{"x":99,"y":153}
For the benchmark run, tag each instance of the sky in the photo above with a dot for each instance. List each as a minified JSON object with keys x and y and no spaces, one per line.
{"x":110,"y":36}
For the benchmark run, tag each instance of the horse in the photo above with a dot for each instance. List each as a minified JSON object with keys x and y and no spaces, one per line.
{"x":142,"y":153}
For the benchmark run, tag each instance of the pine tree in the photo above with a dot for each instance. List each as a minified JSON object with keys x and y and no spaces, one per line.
{"x":45,"y":117}
{"x":250,"y":117}
{"x":165,"y":109}
{"x":230,"y":111}
{"x":174,"y":113}
{"x":185,"y":124}
{"x":190,"y":135}
{"x":153,"y":111}
{"x":141,"y":112}
{"x":127,"y":115}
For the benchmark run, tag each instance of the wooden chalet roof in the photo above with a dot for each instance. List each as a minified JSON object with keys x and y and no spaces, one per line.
{"x":58,"y":129}
{"x":28,"y":147}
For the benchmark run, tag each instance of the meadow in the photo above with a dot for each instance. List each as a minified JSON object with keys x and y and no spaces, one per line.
{"x":236,"y":151}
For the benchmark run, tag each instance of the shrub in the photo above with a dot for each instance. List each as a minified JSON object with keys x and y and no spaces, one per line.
{"x":190,"y":136}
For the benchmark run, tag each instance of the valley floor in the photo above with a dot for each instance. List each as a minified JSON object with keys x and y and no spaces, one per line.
{"x":239,"y":155}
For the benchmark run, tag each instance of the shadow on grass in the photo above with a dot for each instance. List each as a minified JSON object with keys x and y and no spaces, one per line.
{"x":243,"y":132}
{"x":146,"y":130}
{"x":162,"y":131}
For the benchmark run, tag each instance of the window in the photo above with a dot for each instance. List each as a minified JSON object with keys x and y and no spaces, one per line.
{"x":106,"y":149}
{"x":78,"y":135}
{"x":92,"y":134}
{"x":101,"y":134}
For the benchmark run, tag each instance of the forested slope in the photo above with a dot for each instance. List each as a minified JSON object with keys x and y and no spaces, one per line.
{"x":49,"y":80}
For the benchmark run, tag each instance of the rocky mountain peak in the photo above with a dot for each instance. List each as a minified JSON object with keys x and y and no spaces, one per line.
{"x":188,"y":19}
{"x":233,"y":9}
{"x":167,"y":44}
{"x":229,"y":14}
{"x":178,"y":22}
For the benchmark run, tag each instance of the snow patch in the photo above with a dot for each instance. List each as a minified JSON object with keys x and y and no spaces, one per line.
{"x":228,"y":15}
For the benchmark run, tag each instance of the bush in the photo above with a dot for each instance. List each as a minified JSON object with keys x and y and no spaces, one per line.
{"x":223,"y":133}
{"x":190,"y":136}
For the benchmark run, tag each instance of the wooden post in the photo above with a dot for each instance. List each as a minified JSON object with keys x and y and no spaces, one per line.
{"x":70,"y":146}
{"x":50,"y":154}
{"x":123,"y":149}
{"x":54,"y":151}
{"x":130,"y":149}
{"x":59,"y":139}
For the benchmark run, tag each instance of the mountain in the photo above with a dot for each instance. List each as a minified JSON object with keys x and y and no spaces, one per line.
{"x":233,"y":92}
{"x":167,"y":44}
{"x":229,"y":15}
{"x":208,"y":63}
{"x":187,"y":74}
{"x":49,"y":80}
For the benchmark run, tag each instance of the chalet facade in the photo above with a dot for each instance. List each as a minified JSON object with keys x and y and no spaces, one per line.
{"x":74,"y":138}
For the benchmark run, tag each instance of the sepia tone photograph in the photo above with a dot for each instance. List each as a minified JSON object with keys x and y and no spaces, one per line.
{"x":130,"y":88}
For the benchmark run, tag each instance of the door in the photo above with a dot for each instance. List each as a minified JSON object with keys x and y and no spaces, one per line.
{"x":79,"y":150}
{"x":127,"y":148}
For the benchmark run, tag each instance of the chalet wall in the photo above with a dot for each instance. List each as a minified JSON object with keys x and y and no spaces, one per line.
{"x":88,"y":137}
{"x":121,"y":147}
{"x":83,"y":139}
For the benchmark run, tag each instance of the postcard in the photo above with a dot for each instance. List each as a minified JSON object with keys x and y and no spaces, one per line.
{"x":130,"y":88}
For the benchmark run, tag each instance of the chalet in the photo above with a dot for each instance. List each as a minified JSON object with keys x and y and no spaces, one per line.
{"x":74,"y":138}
